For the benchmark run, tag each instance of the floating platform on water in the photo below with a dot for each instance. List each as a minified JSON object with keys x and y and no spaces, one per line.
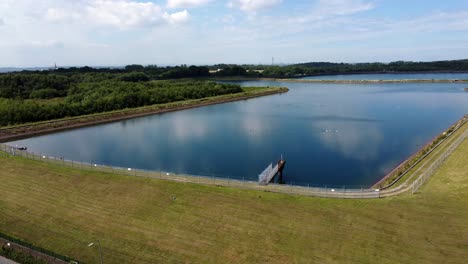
{"x":270,"y":172}
{"x":20,"y":147}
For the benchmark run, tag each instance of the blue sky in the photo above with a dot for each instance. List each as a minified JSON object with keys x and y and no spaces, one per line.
{"x":171,"y":32}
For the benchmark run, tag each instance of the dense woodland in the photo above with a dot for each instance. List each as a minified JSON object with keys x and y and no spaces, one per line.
{"x":35,"y":97}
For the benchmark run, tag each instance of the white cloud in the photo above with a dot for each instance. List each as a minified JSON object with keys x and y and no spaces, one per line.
{"x":46,"y":44}
{"x":325,"y":10}
{"x":342,"y":7}
{"x":252,"y":5}
{"x":434,"y":22}
{"x":2,"y":22}
{"x":123,"y":14}
{"x":96,"y":45}
{"x":177,"y":18}
{"x":322,"y":16}
{"x":186,"y":3}
{"x":128,"y":14}
{"x":56,"y":14}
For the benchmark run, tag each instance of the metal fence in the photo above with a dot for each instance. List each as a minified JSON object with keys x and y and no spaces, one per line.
{"x":320,"y":191}
{"x":437,"y":163}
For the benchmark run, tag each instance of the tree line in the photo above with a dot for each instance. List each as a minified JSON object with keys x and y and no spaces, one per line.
{"x":327,"y":68}
{"x":137,"y":72}
{"x":94,"y":97}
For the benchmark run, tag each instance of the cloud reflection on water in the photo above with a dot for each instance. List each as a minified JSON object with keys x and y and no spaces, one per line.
{"x":351,"y":139}
{"x":340,"y":134}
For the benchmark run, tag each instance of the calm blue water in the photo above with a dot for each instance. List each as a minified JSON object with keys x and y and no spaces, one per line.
{"x":393,"y":76}
{"x":329,"y":134}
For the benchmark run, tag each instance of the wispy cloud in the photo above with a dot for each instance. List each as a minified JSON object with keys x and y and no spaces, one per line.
{"x":46,"y":44}
{"x":252,"y":5}
{"x":177,"y":18}
{"x":319,"y":16}
{"x":124,"y":14}
{"x":186,"y":3}
{"x":341,"y":7}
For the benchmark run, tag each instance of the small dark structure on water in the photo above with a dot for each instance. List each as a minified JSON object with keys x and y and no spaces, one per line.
{"x":20,"y":147}
{"x":270,"y":172}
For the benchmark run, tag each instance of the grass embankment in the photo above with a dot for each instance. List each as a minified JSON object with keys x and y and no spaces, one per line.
{"x":152,"y":221}
{"x":411,"y":168}
{"x":26,"y":130}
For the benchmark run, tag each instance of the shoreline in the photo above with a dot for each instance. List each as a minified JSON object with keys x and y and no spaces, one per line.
{"x":294,"y":80}
{"x":46,"y":127}
{"x":409,"y":164}
{"x":330,"y":192}
{"x":8,"y":134}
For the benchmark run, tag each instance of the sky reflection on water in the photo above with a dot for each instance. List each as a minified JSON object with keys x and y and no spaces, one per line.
{"x":330,"y":134}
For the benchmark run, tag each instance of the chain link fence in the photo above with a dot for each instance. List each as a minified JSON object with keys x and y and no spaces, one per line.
{"x":437,"y":163}
{"x":320,"y":191}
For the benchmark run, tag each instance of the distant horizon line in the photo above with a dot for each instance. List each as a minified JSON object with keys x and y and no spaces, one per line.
{"x":207,"y":64}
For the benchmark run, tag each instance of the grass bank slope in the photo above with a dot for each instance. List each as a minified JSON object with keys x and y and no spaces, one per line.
{"x":151,"y":221}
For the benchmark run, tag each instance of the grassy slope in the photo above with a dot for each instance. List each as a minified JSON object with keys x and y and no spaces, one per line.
{"x":137,"y":220}
{"x":427,"y":161}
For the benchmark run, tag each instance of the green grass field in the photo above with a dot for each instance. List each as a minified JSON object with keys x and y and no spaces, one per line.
{"x":139,"y":221}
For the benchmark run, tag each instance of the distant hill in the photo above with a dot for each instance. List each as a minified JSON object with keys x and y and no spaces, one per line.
{"x":397,"y":66}
{"x":14,"y":69}
{"x":330,"y":68}
{"x":20,"y":69}
{"x":292,"y":70}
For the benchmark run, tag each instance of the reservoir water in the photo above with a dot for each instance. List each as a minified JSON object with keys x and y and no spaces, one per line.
{"x":329,"y":134}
